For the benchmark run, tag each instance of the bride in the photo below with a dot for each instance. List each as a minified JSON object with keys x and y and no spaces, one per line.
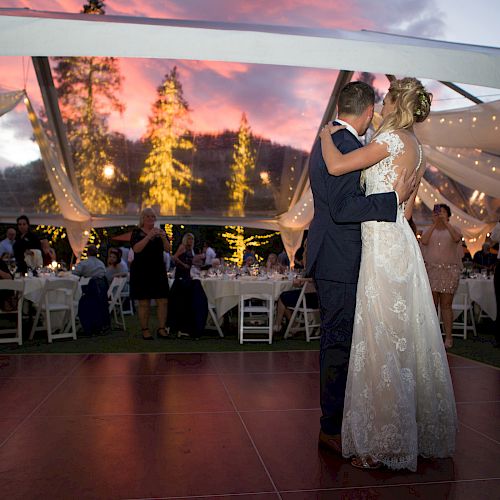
{"x":399,"y":400}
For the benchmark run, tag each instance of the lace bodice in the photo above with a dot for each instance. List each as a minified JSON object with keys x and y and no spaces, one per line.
{"x":381,"y":177}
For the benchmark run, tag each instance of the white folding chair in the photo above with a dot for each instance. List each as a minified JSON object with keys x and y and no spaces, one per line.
{"x":256,"y":312}
{"x":18,"y":288}
{"x":213,"y":323}
{"x":126,"y":300}
{"x":304,"y":319}
{"x":58,"y":296}
{"x":115,"y":300}
{"x":463,"y":306}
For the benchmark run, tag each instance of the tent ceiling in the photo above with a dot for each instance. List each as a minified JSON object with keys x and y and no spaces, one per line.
{"x":33,"y":33}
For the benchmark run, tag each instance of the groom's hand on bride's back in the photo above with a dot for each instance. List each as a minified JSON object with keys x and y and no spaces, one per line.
{"x":405,"y":185}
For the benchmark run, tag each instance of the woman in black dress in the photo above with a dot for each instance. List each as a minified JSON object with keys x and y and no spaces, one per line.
{"x":148,"y":276}
{"x":188,"y":302}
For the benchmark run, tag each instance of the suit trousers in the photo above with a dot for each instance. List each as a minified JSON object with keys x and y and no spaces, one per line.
{"x":337,"y":303}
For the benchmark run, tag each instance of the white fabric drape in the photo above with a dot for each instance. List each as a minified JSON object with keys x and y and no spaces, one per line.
{"x":474,"y":127}
{"x":78,"y":221}
{"x":470,"y":167}
{"x":473,"y":230}
{"x":292,"y":223}
{"x":9,"y":100}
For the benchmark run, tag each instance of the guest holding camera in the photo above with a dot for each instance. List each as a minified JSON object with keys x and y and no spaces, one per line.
{"x":148,"y":276}
{"x":442,"y":251}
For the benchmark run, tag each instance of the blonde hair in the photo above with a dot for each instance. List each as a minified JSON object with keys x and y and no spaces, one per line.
{"x":185,"y":238}
{"x":412,"y":103}
{"x":146,"y":211}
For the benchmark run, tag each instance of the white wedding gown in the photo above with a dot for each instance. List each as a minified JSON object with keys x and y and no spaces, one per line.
{"x":399,"y":400}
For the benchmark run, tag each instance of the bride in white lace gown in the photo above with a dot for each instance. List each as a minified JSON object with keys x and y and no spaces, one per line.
{"x":399,"y":400}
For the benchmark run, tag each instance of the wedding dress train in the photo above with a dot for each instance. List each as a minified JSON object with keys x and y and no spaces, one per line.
{"x":399,"y":400}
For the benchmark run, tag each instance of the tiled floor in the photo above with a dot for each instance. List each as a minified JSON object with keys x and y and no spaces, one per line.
{"x":240,"y":425}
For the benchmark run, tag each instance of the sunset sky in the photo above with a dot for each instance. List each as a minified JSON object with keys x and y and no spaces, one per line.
{"x":283,"y":104}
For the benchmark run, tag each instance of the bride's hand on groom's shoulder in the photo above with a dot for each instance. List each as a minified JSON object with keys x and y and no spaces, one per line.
{"x":329,"y":129}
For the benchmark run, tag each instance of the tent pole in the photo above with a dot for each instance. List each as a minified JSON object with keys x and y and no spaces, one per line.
{"x":55,"y":122}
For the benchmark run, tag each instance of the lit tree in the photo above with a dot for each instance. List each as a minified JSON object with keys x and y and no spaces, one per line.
{"x":167,"y":180}
{"x":235,"y":236}
{"x":243,"y":162}
{"x":88,"y":89}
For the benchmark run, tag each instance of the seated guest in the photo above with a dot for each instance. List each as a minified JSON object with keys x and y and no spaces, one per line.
{"x":248,"y":263}
{"x":216,"y":264}
{"x":466,"y":256}
{"x":91,"y":267}
{"x":484,"y":259}
{"x":48,"y":253}
{"x":283,"y":259}
{"x":248,"y":253}
{"x":116,"y":266}
{"x":272,"y":263}
{"x":26,"y":240}
{"x":6,"y":245}
{"x":289,"y":299}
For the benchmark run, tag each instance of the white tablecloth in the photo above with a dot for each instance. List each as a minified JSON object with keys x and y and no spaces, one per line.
{"x":225,"y":294}
{"x":482,"y":292}
{"x":33,"y":288}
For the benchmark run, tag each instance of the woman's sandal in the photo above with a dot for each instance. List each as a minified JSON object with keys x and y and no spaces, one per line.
{"x":365,"y":463}
{"x":165,"y":334}
{"x":146,"y":337}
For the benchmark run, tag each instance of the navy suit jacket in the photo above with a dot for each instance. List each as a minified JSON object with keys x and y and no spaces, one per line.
{"x":334,"y":238}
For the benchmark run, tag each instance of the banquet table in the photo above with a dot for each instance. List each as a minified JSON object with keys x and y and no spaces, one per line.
{"x":482,"y":292}
{"x":225,"y":294}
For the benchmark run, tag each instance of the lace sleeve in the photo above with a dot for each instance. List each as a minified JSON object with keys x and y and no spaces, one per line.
{"x":394,"y":143}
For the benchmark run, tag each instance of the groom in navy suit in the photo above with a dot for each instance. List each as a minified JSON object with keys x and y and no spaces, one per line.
{"x":334,"y":250}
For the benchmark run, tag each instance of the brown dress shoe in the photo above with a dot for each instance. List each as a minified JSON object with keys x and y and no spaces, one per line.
{"x":330,"y":442}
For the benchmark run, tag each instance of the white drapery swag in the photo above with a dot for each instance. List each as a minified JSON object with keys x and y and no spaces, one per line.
{"x":77,"y":219}
{"x":470,"y":167}
{"x":9,"y":100}
{"x":474,"y":127}
{"x":473,"y":230}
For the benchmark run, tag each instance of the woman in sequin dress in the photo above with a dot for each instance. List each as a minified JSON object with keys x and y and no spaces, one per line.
{"x":441,"y":246}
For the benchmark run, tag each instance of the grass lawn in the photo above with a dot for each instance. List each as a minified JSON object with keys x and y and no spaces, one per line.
{"x":480,"y":348}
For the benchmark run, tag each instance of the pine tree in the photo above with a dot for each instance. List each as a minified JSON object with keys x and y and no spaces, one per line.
{"x":88,"y":89}
{"x":243,"y":162}
{"x":166,"y":179}
{"x":238,"y":184}
{"x":93,"y":7}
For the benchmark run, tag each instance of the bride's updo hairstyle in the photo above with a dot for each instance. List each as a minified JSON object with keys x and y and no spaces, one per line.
{"x":412,"y":104}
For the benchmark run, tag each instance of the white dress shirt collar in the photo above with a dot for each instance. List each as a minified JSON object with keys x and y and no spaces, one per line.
{"x":349,"y":127}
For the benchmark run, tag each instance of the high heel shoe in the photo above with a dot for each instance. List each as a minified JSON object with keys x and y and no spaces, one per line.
{"x":146,"y":337}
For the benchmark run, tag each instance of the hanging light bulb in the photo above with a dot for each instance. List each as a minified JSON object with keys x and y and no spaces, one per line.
{"x":108,"y":171}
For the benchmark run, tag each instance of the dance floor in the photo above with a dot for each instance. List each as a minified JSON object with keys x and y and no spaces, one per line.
{"x":241,"y":425}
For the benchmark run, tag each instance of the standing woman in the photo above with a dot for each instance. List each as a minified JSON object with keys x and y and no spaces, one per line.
{"x":179,"y":318}
{"x":148,"y":276}
{"x":441,"y":245}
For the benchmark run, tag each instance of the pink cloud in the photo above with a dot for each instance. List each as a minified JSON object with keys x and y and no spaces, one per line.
{"x":284,"y":104}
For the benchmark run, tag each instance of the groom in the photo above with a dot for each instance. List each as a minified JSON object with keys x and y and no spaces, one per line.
{"x":334,"y":250}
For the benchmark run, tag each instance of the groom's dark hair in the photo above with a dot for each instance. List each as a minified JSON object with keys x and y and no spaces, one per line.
{"x":354,"y":98}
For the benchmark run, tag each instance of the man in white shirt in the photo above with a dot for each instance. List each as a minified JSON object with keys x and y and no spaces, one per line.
{"x":495,"y":236}
{"x":6,"y":244}
{"x":209,"y":253}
